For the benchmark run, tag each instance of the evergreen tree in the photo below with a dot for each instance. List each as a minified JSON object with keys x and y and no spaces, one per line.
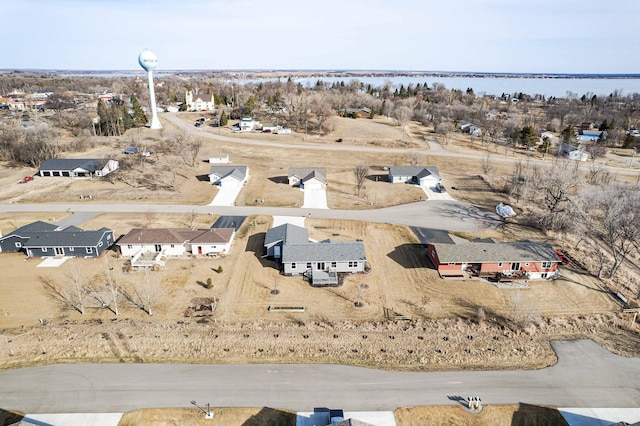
{"x":127,"y":120}
{"x":103,"y":115}
{"x":568,"y":135}
{"x":528,"y":136}
{"x":139,"y":119}
{"x":223,"y":119}
{"x":372,"y":114}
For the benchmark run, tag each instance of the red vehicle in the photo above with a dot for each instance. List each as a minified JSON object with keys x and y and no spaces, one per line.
{"x":563,"y":257}
{"x":26,"y":179}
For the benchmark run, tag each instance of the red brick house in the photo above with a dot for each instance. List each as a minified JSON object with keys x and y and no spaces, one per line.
{"x":489,"y":258}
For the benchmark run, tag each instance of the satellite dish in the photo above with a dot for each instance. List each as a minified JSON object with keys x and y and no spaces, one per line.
{"x":148,"y":60}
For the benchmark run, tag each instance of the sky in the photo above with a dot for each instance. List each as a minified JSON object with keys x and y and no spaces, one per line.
{"x":519,"y":36}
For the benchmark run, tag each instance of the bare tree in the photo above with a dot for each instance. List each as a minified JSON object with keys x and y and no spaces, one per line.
{"x":111,"y":278}
{"x":360,"y":172}
{"x":486,"y":164}
{"x":403,"y":114}
{"x":413,"y":158}
{"x":445,"y":129}
{"x":555,"y":189}
{"x":73,"y":291}
{"x":145,"y":293}
{"x":611,"y":217}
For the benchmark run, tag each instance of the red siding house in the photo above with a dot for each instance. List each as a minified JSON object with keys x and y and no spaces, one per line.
{"x":489,"y":258}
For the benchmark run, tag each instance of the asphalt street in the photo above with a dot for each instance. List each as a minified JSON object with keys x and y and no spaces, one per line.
{"x":585,"y":376}
{"x":445,"y":215}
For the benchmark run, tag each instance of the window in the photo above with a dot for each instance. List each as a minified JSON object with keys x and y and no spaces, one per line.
{"x":544,"y":275}
{"x":353,"y":264}
{"x":451,"y":263}
{"x":499,"y":264}
{"x":308,"y":265}
{"x":333,"y":264}
{"x":515,"y":266}
{"x":44,"y":249}
{"x":293,"y":265}
{"x":71,"y":248}
{"x":129,"y":246}
{"x":100,"y":244}
{"x":18,"y":244}
{"x":108,"y":236}
{"x":546,"y":265}
{"x":89,"y":249}
{"x":172,"y":245}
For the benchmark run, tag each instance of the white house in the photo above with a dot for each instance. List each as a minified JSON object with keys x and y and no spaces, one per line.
{"x":226,"y":176}
{"x":199,"y":102}
{"x":572,"y":153}
{"x":309,"y":178}
{"x":78,"y":167}
{"x":419,"y":175}
{"x":174,"y":242}
{"x":247,"y":124}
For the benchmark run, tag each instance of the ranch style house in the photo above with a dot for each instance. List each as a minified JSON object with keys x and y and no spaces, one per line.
{"x":493,"y":259}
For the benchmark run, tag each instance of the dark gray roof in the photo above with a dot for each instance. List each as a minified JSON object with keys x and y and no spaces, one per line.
{"x":38,"y":226}
{"x":239,"y":172}
{"x":65,"y":238}
{"x":480,"y":252}
{"x":323,"y":252}
{"x":90,"y":165}
{"x":287,"y":233}
{"x":306,"y":173}
{"x":418,"y":171}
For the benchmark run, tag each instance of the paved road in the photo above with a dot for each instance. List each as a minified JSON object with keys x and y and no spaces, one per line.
{"x":435,"y":149}
{"x":446,"y":215}
{"x":585,"y":376}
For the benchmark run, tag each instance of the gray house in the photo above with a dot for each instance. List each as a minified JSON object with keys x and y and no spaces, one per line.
{"x":40,"y":239}
{"x":229,"y":176}
{"x":319,"y":262}
{"x":78,"y":167}
{"x":286,"y":233}
{"x":418,"y":175}
{"x":312,"y":178}
{"x":15,"y":240}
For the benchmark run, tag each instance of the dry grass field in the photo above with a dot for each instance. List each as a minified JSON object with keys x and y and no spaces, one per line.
{"x":409,"y":318}
{"x":491,"y":415}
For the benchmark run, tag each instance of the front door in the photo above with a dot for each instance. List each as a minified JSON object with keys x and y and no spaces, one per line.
{"x":199,"y":249}
{"x":158,"y":248}
{"x":320,"y":266}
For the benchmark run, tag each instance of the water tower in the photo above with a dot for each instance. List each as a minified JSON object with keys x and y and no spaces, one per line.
{"x":149,"y":61}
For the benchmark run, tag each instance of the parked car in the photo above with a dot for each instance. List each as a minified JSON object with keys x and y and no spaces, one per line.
{"x":440,"y":187}
{"x":131,"y":150}
{"x":563,"y":257}
{"x":26,"y":179}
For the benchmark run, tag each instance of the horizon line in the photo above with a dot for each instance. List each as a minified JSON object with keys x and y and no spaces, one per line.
{"x":329,"y":70}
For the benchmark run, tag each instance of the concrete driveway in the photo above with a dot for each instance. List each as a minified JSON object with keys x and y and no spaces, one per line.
{"x":434,"y":195}
{"x":315,"y":198}
{"x":226,"y":196}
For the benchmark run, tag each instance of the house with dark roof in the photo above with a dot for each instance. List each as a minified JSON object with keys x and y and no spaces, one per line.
{"x":308,"y":177}
{"x":229,"y":176}
{"x":78,"y":167}
{"x":159,"y":243}
{"x":41,"y":239}
{"x":16,"y":239}
{"x":319,"y":262}
{"x":490,"y":258}
{"x":418,"y":175}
